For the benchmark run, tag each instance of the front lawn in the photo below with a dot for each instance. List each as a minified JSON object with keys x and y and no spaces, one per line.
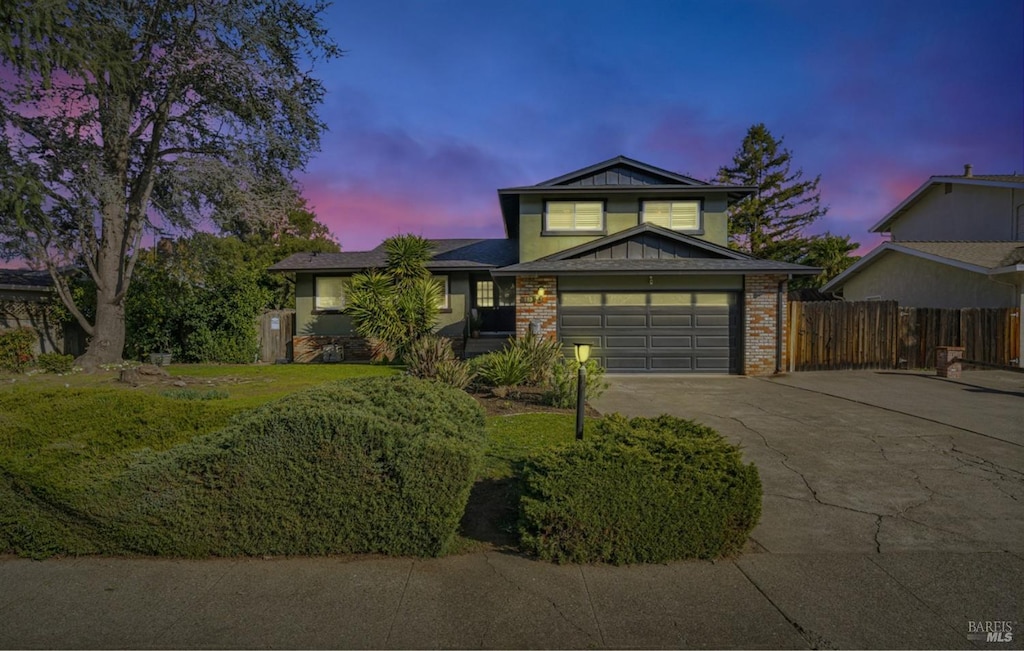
{"x":64,"y":438}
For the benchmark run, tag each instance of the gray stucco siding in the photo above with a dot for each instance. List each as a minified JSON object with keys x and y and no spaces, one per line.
{"x":967,"y":212}
{"x":916,"y":282}
{"x":309,"y":321}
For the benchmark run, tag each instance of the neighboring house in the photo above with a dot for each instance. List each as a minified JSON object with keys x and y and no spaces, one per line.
{"x":27,"y":300}
{"x":955,"y":242}
{"x":627,"y":257}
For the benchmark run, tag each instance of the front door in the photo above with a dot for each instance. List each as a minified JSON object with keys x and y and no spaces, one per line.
{"x":495,"y":303}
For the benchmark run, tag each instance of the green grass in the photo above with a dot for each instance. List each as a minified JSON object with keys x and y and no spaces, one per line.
{"x":513,"y":438}
{"x":63,"y":439}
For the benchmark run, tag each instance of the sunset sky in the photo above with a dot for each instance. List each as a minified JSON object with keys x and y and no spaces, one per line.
{"x":437,"y":104}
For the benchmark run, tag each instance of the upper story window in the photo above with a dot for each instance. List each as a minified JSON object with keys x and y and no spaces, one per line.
{"x":330,"y":293}
{"x":574,"y":216}
{"x":677,"y":215}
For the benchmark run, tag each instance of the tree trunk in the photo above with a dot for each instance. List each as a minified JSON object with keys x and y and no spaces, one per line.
{"x":107,"y":343}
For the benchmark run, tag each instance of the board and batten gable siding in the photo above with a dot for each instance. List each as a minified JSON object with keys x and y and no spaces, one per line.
{"x":622,"y":211}
{"x":967,"y":212}
{"x":916,"y":282}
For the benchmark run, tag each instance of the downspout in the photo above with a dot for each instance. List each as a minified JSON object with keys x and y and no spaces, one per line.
{"x":779,"y":317}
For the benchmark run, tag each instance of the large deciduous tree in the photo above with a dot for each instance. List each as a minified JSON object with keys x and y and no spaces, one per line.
{"x":128,"y":116}
{"x":771,"y":222}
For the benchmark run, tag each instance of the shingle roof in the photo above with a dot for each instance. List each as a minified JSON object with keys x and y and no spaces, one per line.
{"x":657,"y":266}
{"x":1001,"y":178}
{"x":448,"y":254}
{"x":25,"y":278}
{"x":990,"y":255}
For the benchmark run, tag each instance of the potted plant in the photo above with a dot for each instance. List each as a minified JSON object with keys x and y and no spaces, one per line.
{"x":163,"y":357}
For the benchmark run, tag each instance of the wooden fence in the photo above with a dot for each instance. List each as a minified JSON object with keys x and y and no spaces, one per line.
{"x":831,"y":335}
{"x":276,"y":328}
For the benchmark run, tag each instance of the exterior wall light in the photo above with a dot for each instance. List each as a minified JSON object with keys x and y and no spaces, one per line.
{"x":540,"y":292}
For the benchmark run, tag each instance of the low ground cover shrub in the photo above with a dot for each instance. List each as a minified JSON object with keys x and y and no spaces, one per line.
{"x":56,"y":363}
{"x":380,"y":465}
{"x":639,"y":491}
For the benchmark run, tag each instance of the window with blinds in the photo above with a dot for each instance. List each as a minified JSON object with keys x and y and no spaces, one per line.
{"x":574,"y":216}
{"x":330,"y":293}
{"x":677,"y":215}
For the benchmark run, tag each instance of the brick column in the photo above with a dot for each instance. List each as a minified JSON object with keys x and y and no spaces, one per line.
{"x":760,"y":331}
{"x":947,"y":361}
{"x":534,"y":309}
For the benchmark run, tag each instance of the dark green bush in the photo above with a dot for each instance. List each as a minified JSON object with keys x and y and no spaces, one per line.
{"x":56,"y":363}
{"x":370,"y":465}
{"x":16,"y":349}
{"x":562,"y":389}
{"x":195,"y":394}
{"x":639,"y":491}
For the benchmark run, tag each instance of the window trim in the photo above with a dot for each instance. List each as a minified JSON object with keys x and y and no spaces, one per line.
{"x":603,"y":230}
{"x":699,"y":230}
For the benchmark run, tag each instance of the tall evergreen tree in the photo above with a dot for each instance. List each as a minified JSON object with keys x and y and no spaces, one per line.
{"x":771,"y":222}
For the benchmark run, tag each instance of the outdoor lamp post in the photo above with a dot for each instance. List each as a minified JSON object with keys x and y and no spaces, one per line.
{"x":582,"y":355}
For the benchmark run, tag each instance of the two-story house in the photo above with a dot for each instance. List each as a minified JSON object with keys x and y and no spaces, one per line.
{"x":625,"y":256}
{"x":955,"y":242}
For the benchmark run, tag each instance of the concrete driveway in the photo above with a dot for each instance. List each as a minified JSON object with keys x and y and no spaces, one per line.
{"x":864,"y":461}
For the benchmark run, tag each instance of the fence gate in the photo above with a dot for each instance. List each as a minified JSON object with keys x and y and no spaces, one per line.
{"x":833,"y":335}
{"x":276,"y":328}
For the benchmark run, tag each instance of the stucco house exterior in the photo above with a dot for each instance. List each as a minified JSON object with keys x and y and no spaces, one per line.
{"x":625,"y":256}
{"x":26,"y":301}
{"x":955,"y":242}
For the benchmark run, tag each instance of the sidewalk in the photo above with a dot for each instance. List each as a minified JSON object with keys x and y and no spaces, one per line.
{"x":496,"y":600}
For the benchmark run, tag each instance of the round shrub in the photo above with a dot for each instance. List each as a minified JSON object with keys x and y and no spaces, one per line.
{"x":369,"y":465}
{"x":639,"y":491}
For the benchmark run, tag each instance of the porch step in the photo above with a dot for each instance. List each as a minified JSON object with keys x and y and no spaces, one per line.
{"x":483,"y":345}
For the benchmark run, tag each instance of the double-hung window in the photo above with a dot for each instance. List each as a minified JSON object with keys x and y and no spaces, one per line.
{"x":574,"y":216}
{"x":330,"y":293}
{"x":676,"y":215}
{"x":444,"y":303}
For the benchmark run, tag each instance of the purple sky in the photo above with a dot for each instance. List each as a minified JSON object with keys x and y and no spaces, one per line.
{"x":439,"y":103}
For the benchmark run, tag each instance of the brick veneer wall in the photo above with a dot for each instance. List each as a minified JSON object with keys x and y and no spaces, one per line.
{"x":542,"y":309}
{"x":760,"y":307}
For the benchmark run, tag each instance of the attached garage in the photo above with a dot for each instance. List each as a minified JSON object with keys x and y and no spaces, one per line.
{"x":651,"y":331}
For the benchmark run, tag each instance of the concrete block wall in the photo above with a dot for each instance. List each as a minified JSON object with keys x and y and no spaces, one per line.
{"x":760,"y":314}
{"x":531,"y":308}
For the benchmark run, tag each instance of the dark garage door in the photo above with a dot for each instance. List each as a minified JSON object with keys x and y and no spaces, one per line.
{"x":677,"y":332}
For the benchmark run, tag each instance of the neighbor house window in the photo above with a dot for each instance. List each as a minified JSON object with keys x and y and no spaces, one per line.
{"x":574,"y":216}
{"x":330,"y":293}
{"x":677,"y":215}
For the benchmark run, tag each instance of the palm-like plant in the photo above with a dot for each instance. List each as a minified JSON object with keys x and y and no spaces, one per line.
{"x":394,"y":307}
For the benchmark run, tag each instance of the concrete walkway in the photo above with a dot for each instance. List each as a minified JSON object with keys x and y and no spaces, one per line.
{"x":893,"y":518}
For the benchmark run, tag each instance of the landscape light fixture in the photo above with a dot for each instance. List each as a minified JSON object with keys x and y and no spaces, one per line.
{"x":582,"y":355}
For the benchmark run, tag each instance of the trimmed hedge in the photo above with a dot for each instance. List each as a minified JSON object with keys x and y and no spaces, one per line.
{"x":639,"y":491}
{"x":370,"y":465}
